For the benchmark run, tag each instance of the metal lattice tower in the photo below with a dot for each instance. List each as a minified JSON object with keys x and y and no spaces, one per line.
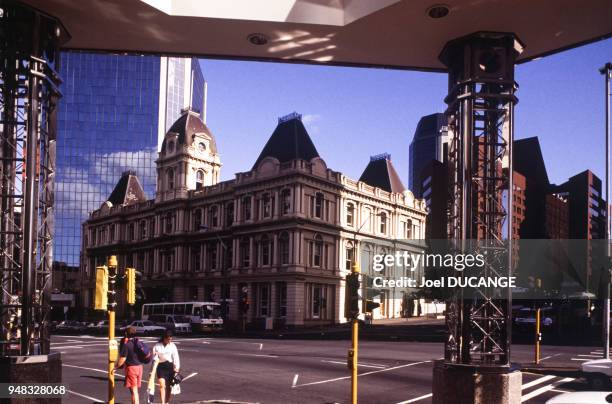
{"x":29,"y":96}
{"x":480,"y":116}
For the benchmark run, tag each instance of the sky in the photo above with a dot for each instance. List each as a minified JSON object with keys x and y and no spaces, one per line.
{"x":354,"y":113}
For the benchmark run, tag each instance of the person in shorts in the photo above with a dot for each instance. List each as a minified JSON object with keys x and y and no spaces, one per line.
{"x":133,"y":367}
{"x":166,"y":353}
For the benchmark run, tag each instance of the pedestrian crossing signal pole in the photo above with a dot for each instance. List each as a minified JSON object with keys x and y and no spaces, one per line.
{"x":352,"y":311}
{"x":538,"y":318}
{"x":113,"y":351}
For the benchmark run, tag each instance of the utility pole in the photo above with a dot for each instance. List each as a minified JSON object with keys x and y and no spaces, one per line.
{"x":606,"y":71}
{"x":353,"y":353}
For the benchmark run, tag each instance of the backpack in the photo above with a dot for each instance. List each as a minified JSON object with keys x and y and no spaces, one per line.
{"x":142,"y":351}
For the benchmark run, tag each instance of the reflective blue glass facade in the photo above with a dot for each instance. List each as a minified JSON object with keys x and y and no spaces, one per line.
{"x":109,"y":122}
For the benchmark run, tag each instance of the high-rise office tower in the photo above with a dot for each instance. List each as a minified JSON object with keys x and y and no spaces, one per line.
{"x":429,"y":143}
{"x":114,"y":114}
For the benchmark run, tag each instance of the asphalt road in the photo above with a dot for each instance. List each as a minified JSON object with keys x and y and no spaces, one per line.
{"x":299,"y":371}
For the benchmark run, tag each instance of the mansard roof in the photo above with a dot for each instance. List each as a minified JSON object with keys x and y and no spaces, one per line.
{"x":381,"y":173}
{"x":289,"y":141}
{"x":188,"y":125}
{"x":128,"y":190}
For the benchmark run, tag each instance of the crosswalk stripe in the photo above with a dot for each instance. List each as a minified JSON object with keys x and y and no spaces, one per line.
{"x":544,"y":389}
{"x":537,"y":381}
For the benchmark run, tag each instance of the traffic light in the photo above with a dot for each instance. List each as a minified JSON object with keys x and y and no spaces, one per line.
{"x":130,"y":276}
{"x":351,"y":296}
{"x":370,"y":306}
{"x":101,"y":298}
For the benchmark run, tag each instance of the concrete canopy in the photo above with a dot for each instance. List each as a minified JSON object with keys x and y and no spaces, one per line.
{"x":385,"y":33}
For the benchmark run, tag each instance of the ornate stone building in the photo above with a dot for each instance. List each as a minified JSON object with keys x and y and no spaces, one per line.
{"x":285,"y":230}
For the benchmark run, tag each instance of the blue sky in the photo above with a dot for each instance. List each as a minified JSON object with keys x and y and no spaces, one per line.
{"x":353,"y":113}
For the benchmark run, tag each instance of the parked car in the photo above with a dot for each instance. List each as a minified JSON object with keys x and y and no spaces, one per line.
{"x":598,"y":372}
{"x":144,"y":327}
{"x":70,"y":326}
{"x":101,"y":327}
{"x":178,"y":324}
{"x":582,"y":397}
{"x":527,"y":317}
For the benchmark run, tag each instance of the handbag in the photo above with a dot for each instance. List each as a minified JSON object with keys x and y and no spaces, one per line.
{"x":176,"y":379}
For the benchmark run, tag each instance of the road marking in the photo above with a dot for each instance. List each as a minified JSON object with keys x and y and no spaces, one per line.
{"x":95,"y":400}
{"x":93,"y":370}
{"x":260,"y":347}
{"x":295,"y":379}
{"x":190,"y":376}
{"x":591,"y":356}
{"x":537,"y":381}
{"x":560,"y":391}
{"x":544,"y":389}
{"x":550,"y":356}
{"x":258,"y":355}
{"x":414,"y":400}
{"x":358,"y":365}
{"x":363,"y":374}
{"x":68,"y":347}
{"x":580,"y":359}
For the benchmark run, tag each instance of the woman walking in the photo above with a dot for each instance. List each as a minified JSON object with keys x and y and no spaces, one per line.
{"x":169,"y":363}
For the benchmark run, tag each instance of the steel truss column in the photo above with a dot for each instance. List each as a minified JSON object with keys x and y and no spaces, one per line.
{"x":29,"y":95}
{"x":480,"y":117}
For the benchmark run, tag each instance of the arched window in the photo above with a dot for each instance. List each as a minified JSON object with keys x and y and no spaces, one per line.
{"x":283,"y":248}
{"x":285,"y":201}
{"x":409,"y":229}
{"x":170,"y":178}
{"x":383,"y":223}
{"x":199,"y":179}
{"x":131,"y":234}
{"x":197,"y":219}
{"x":350,"y":214}
{"x":265,"y":250}
{"x":267,"y":203}
{"x":171,"y":146}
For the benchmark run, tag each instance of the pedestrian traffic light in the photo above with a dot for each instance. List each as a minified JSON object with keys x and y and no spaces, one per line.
{"x":351,"y":296}
{"x":101,"y":297}
{"x":130,"y":275}
{"x":370,"y":306}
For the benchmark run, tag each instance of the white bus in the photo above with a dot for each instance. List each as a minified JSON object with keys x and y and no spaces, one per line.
{"x":204,"y":316}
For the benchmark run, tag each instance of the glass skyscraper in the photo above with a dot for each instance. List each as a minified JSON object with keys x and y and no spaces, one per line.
{"x":114,"y":112}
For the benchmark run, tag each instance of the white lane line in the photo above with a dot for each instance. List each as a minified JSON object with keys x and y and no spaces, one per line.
{"x":295,"y":379}
{"x":68,"y":347}
{"x":260,"y":347}
{"x":414,"y":400}
{"x":549,"y":356}
{"x":580,"y":359}
{"x":363,"y":374}
{"x":537,"y":381}
{"x":93,"y":370}
{"x":95,"y":400}
{"x":258,"y":355}
{"x":358,"y":365}
{"x":190,"y":376}
{"x":560,"y":391}
{"x":544,"y":389}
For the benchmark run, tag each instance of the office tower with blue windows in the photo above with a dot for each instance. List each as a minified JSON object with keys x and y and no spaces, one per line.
{"x":114,"y":113}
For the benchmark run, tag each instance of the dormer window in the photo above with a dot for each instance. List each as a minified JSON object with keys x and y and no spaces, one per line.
{"x":171,"y":146}
{"x":199,"y":179}
{"x":202,"y":147}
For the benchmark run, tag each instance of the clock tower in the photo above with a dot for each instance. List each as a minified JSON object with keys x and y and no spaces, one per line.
{"x":188,"y":159}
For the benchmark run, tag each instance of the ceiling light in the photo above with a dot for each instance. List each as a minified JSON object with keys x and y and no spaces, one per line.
{"x":438,"y":11}
{"x":257,"y":39}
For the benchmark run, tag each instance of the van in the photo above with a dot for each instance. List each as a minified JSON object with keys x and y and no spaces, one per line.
{"x":178,"y":324}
